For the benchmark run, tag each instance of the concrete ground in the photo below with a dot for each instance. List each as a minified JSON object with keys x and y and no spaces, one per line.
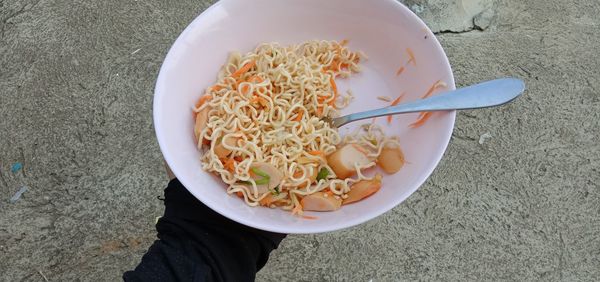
{"x":76,"y":82}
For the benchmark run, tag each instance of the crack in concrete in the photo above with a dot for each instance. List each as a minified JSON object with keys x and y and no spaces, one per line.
{"x":474,"y":27}
{"x":456,"y":16}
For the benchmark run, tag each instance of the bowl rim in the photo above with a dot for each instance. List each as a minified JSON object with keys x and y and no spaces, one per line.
{"x":297,"y":229}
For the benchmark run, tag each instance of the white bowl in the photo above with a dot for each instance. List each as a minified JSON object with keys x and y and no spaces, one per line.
{"x":383,"y":29}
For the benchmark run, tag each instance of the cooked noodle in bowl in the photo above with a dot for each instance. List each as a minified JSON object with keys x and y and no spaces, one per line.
{"x":258,"y":134}
{"x":261,"y":129}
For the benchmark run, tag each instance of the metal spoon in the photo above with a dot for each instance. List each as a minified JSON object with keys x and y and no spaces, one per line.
{"x":486,"y":94}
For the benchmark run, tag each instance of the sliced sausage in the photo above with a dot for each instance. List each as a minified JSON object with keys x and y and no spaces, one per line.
{"x":343,"y":160}
{"x":391,"y":159}
{"x":275,"y":177}
{"x":320,"y":201}
{"x":201,"y":121}
{"x":220,"y":149}
{"x":363,"y":189}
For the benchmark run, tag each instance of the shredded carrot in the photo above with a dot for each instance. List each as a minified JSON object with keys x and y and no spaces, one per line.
{"x":299,"y":116}
{"x":334,"y":66}
{"x":229,"y":165}
{"x":262,"y":101}
{"x":238,"y":159}
{"x":316,"y":153}
{"x":320,"y":110}
{"x":244,"y":89}
{"x":422,"y":119}
{"x":255,"y":79}
{"x":266,"y":201}
{"x":239,"y":194}
{"x":411,"y":55}
{"x":335,"y":90}
{"x":394,"y":103}
{"x":309,"y":217}
{"x":329,"y":193}
{"x":236,"y":86}
{"x":333,"y":85}
{"x":203,"y":100}
{"x":436,"y":85}
{"x":216,"y":87}
{"x":400,"y":71}
{"x":244,"y":69}
{"x":397,"y":100}
{"x":344,"y":42}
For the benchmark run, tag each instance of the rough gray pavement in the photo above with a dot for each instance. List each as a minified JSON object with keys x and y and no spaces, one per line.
{"x":76,"y":82}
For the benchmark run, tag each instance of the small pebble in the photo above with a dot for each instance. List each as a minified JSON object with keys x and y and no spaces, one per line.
{"x":17,"y":195}
{"x":484,"y":137}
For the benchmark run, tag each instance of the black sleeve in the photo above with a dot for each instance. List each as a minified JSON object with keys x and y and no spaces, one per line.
{"x":197,"y":244}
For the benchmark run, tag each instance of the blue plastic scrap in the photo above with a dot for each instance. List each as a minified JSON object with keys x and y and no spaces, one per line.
{"x":17,"y":195}
{"x":16,"y":167}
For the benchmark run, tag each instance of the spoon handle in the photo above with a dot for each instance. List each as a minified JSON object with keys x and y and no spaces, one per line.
{"x":486,"y":94}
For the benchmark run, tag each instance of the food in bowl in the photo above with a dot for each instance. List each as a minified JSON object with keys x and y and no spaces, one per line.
{"x":261,"y":129}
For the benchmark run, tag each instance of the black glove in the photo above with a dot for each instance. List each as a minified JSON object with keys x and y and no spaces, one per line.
{"x":197,"y":244}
